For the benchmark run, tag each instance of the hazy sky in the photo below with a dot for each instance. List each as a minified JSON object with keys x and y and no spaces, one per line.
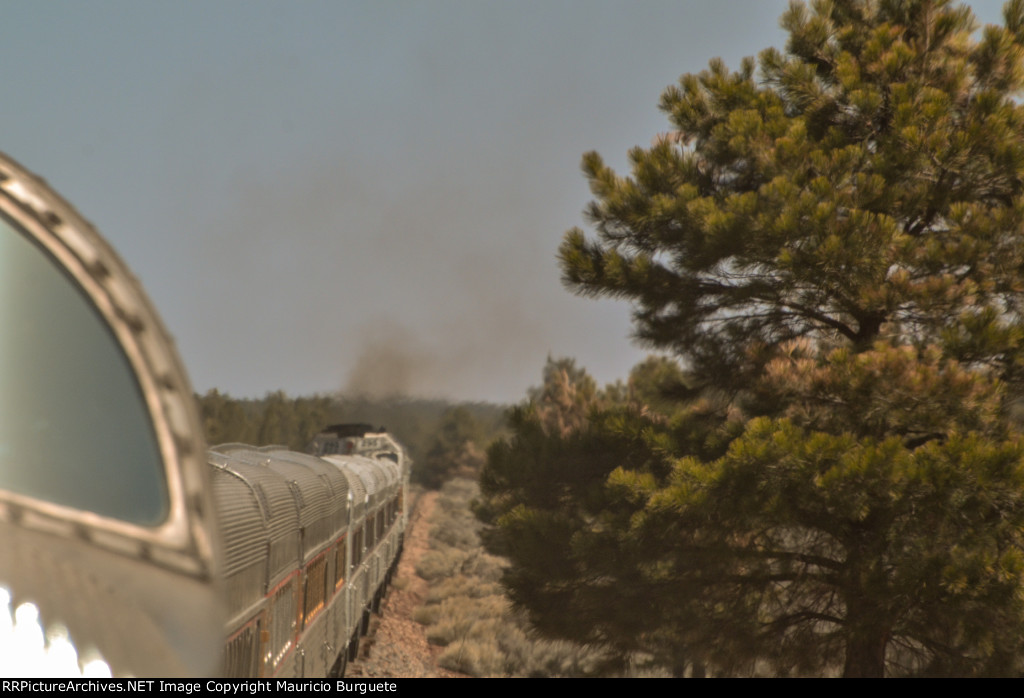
{"x":321,"y":195}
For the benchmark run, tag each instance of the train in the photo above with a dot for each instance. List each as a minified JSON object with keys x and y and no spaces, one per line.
{"x":127,"y":546}
{"x":312,"y":542}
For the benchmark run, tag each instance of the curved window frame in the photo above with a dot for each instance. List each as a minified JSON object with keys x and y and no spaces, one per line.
{"x":183,"y":541}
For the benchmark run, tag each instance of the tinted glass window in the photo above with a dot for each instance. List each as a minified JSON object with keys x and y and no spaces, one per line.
{"x":74,"y":428}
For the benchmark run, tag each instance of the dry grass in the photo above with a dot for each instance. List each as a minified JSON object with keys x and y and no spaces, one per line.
{"x":466,"y":610}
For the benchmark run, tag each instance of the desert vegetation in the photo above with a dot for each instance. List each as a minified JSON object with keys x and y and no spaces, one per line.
{"x":467,"y":611}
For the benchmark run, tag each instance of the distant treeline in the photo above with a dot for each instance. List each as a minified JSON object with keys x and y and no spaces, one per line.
{"x":443,"y":438}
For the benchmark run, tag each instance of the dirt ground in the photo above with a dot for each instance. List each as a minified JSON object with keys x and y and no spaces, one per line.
{"x":397,"y":645}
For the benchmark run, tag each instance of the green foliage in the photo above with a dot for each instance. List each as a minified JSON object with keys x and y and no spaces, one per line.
{"x":562,"y":508}
{"x":276,"y":419}
{"x":455,"y":449}
{"x":565,"y":397}
{"x":835,"y":249}
{"x":866,"y":522}
{"x":224,"y":419}
{"x":867,"y":185}
{"x":828,"y":547}
{"x":658,"y":383}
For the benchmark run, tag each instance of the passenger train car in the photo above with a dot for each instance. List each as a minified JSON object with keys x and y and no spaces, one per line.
{"x":311,"y":544}
{"x":127,"y":548}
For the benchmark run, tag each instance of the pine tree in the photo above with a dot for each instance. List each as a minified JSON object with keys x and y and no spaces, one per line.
{"x":455,"y":449}
{"x":835,"y":249}
{"x":224,"y":419}
{"x":557,"y":514}
{"x":866,"y":187}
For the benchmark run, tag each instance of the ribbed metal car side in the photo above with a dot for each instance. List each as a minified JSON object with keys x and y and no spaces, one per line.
{"x":280,"y":505}
{"x":334,"y":618}
{"x":357,"y":588}
{"x":371,"y":474}
{"x":283,"y":544}
{"x":243,"y":528}
{"x":315,"y":498}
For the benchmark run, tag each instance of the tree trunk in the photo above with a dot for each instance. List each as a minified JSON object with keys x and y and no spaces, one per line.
{"x":865,"y":653}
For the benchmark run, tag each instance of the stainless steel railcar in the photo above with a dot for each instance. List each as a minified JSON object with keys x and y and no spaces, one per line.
{"x":311,"y":544}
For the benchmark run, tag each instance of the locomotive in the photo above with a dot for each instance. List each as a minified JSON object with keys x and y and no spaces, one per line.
{"x":128,"y":548}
